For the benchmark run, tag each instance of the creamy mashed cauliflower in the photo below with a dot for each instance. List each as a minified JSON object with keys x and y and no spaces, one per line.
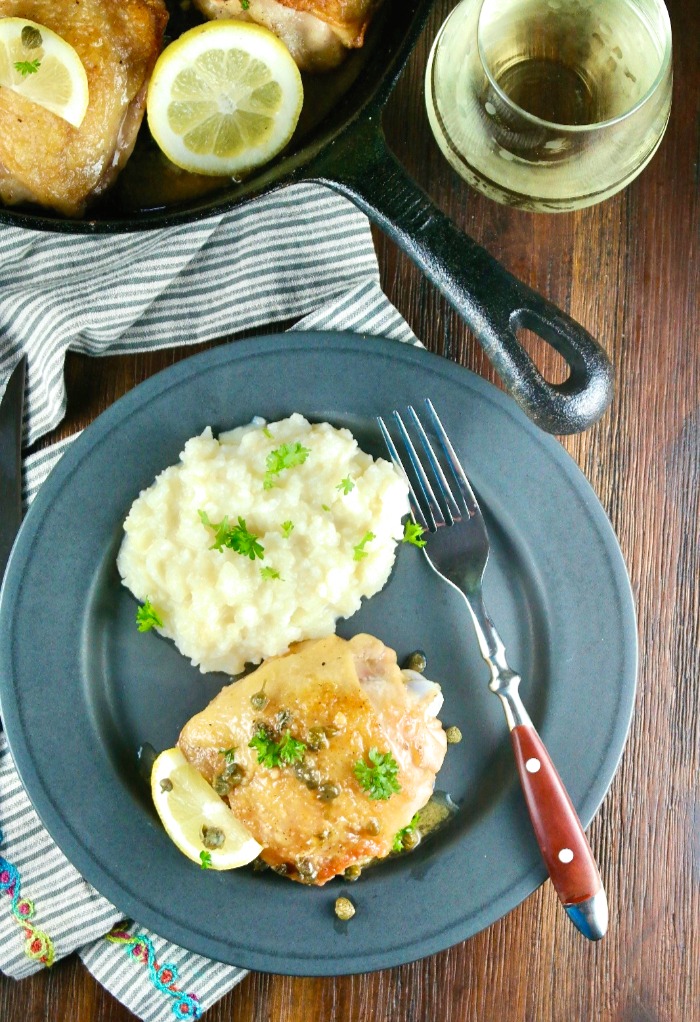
{"x":324,"y":530}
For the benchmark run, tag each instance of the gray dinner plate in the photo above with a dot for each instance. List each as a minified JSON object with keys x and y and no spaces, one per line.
{"x":81,"y":690}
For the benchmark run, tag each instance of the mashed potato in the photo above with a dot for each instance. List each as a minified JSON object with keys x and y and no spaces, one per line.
{"x":325,"y":531}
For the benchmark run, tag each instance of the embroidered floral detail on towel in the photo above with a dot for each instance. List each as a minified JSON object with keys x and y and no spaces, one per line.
{"x":163,"y":977}
{"x":37,"y":945}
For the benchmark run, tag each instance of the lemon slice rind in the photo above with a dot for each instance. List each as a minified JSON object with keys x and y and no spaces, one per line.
{"x":224,"y":98}
{"x":186,"y":802}
{"x":59,"y":84}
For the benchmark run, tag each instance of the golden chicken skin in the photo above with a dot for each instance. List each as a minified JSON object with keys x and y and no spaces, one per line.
{"x":324,"y":753}
{"x":318,"y":33}
{"x":43,"y":158}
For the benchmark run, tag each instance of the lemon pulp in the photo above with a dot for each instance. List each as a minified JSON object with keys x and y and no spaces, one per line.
{"x":224,"y":98}
{"x":41,"y":66}
{"x":195,"y":818}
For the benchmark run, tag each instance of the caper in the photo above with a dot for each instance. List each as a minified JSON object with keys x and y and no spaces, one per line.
{"x":283,"y":719}
{"x":307,"y":775}
{"x":411,"y":840}
{"x":344,"y":908}
{"x":166,"y":784}
{"x":259,"y":700}
{"x":230,"y":777}
{"x":306,"y":870}
{"x":317,"y":739}
{"x":221,"y":785}
{"x":259,"y":865}
{"x":373,"y":826}
{"x":416,"y":661}
{"x":282,"y":869}
{"x":212,"y":837}
{"x":453,"y":735}
{"x":352,"y":873}
{"x":328,"y":791}
{"x":234,"y":774}
{"x":31,"y":37}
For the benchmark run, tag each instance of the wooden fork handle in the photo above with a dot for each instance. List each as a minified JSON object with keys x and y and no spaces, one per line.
{"x":559,"y":833}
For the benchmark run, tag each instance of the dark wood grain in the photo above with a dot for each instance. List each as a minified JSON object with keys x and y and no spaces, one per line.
{"x":628,"y":269}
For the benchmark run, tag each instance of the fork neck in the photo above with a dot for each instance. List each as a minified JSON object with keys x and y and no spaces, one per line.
{"x":504,"y":682}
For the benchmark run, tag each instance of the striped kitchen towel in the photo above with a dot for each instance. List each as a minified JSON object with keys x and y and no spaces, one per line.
{"x":268,"y":262}
{"x":46,"y":909}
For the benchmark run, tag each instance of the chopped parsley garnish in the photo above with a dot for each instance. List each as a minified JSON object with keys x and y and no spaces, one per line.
{"x":410,"y":828}
{"x":287,"y":529}
{"x":235,"y":537}
{"x":27,"y":67}
{"x":272,"y":753}
{"x":359,"y":549}
{"x":412,"y":534}
{"x":245,"y":4}
{"x":283,"y":457}
{"x":147,"y":617}
{"x":266,"y":431}
{"x":270,"y":573}
{"x":346,"y":485}
{"x":378,"y":778}
{"x":229,"y":755}
{"x":205,"y":860}
{"x":325,"y":507}
{"x":291,"y":751}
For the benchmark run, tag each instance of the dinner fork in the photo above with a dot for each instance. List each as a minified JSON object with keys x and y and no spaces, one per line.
{"x":457,"y":548}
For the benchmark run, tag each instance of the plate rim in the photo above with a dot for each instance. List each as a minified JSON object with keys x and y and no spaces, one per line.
{"x":175,"y":375}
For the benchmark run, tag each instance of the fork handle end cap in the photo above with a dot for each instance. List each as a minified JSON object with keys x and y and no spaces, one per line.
{"x":591,"y":916}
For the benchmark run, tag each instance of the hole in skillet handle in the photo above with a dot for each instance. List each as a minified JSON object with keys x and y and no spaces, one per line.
{"x":553,"y":366}
{"x":585,"y":388}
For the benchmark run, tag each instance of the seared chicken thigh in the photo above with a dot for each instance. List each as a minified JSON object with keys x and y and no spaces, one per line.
{"x":44,"y":159}
{"x":348,"y":703}
{"x":317,"y":33}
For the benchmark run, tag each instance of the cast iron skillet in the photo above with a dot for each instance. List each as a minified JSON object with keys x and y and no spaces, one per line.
{"x":347,"y":152}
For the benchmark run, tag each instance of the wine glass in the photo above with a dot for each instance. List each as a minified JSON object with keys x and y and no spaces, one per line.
{"x":550,"y":105}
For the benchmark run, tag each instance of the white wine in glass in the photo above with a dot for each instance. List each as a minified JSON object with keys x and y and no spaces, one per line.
{"x":551,"y":104}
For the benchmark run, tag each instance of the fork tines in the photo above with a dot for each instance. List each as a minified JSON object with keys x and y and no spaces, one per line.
{"x":431,"y":514}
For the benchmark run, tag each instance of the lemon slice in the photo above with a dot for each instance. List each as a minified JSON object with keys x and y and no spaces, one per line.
{"x":224,"y":98}
{"x":41,"y":66}
{"x":195,"y":818}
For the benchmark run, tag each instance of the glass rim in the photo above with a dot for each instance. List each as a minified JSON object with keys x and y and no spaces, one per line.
{"x":579,"y":128}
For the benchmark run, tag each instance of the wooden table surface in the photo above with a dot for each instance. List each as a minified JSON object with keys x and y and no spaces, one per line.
{"x":628,"y":270}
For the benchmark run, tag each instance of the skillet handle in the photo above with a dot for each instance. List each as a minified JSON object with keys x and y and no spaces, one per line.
{"x":492,"y":302}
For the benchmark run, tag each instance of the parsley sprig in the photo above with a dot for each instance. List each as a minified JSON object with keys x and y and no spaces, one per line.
{"x":359,"y":548}
{"x":346,"y":485}
{"x":205,"y":860}
{"x":27,"y":67}
{"x":229,"y":755}
{"x":400,"y":835}
{"x":234,"y":537}
{"x":378,"y":777}
{"x":274,"y":754}
{"x":147,"y":617}
{"x":287,"y":528}
{"x":283,"y":457}
{"x":269,"y":572}
{"x":412,"y":533}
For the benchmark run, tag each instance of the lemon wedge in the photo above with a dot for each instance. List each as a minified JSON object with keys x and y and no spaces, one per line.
{"x":41,"y":66}
{"x":195,"y":818}
{"x":224,"y":98}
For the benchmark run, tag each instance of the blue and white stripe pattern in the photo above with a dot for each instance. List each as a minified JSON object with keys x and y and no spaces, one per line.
{"x":269,"y":262}
{"x":303,"y":252}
